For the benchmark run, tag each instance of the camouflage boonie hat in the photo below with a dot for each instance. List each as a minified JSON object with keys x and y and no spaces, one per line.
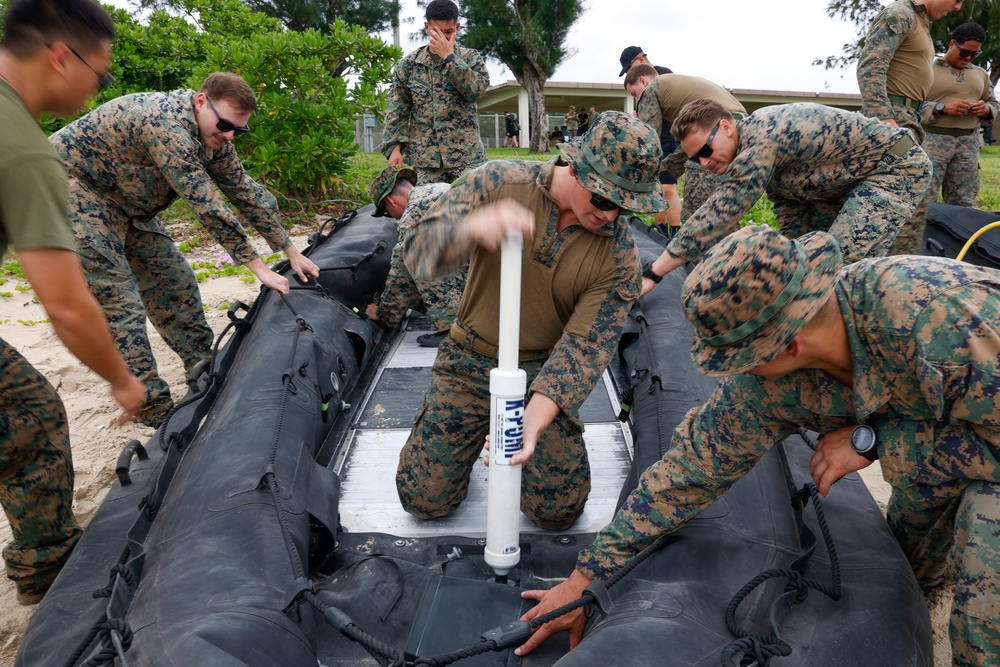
{"x":383,"y":184}
{"x":753,"y":293}
{"x":618,"y":158}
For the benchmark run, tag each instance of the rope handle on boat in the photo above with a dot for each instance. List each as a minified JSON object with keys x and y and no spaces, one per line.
{"x":758,"y":650}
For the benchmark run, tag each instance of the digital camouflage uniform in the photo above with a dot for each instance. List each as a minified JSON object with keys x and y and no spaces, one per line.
{"x":128,"y":160}
{"x":577,"y":288}
{"x":894,"y":75}
{"x":925,"y":342}
{"x":572,"y":123}
{"x":36,"y":464}
{"x":439,"y":297}
{"x":433,"y":113}
{"x":659,"y":105}
{"x":952,"y":142}
{"x":823,"y":168}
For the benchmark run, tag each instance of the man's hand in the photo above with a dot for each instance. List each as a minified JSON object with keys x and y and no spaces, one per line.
{"x":489,"y":225}
{"x":396,"y":157}
{"x":563,"y":594}
{"x":957,"y":108}
{"x":371,"y":310}
{"x":303,"y":267}
{"x":440,"y":45}
{"x":267,"y":277}
{"x":130,"y":394}
{"x":835,"y":457}
{"x":663,"y":265}
{"x":890,"y":121}
{"x":979,"y":108}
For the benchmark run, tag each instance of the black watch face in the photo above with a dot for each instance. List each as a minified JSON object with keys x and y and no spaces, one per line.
{"x":863,"y":439}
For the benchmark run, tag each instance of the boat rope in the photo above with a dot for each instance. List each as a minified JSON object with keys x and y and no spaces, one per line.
{"x":346,"y":627}
{"x":381,"y":246}
{"x":757,"y":650}
{"x":116,"y":638}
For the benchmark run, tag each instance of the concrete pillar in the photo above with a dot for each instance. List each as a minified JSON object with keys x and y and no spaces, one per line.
{"x":629,"y":105}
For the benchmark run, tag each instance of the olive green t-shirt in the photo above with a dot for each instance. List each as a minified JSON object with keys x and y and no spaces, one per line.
{"x":32,"y":182}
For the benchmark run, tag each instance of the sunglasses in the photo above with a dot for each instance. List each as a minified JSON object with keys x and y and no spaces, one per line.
{"x":706,"y":150}
{"x":602,"y":204}
{"x":224,"y":125}
{"x":104,"y":81}
{"x":966,"y":53}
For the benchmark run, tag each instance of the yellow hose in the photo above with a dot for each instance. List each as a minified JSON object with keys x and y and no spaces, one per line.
{"x":972,"y":239}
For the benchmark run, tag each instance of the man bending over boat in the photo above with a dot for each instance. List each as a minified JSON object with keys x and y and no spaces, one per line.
{"x":395,"y":195}
{"x":51,"y":60}
{"x":892,"y":359}
{"x":580,"y":275}
{"x":128,"y":160}
{"x":823,"y":168}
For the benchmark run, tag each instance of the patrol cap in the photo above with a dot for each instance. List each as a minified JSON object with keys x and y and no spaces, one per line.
{"x":628,"y":55}
{"x":618,"y":158}
{"x":753,"y":293}
{"x":383,"y":184}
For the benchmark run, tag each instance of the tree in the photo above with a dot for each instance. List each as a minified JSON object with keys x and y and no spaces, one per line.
{"x":861,"y":13}
{"x":299,"y":15}
{"x":528,"y":37}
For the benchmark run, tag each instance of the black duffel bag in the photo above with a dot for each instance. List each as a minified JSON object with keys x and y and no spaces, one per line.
{"x":950,"y":227}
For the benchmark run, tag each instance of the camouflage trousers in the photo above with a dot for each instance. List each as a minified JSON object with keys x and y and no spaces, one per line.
{"x":867,"y":217}
{"x":36,"y":475}
{"x":426,"y":175}
{"x":956,"y":168}
{"x":448,"y":435}
{"x":951,"y":533}
{"x":438,"y":298}
{"x":136,"y":274}
{"x":699,"y":184}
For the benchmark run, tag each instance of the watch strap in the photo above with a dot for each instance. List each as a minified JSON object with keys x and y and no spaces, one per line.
{"x":647,"y":272}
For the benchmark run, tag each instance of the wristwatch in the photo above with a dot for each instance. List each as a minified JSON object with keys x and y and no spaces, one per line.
{"x":939,"y":108}
{"x":647,"y":272}
{"x":864,"y":443}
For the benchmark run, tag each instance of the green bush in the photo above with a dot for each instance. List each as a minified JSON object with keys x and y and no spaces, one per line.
{"x":303,"y":131}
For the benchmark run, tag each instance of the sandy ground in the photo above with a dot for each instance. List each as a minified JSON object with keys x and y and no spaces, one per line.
{"x":97,"y":441}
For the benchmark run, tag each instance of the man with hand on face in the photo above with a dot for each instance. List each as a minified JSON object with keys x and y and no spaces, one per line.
{"x":895,"y":359}
{"x":960,"y":96}
{"x":432,"y":116}
{"x":822,"y":167}
{"x":580,"y":274}
{"x":54,"y":55}
{"x":128,"y":160}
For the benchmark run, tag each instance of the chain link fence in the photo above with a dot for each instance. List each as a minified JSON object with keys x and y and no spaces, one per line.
{"x":492,"y":130}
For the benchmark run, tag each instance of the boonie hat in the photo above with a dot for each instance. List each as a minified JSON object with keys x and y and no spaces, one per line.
{"x":628,"y":55}
{"x":383,"y":184}
{"x":618,"y":158}
{"x":754,"y":292}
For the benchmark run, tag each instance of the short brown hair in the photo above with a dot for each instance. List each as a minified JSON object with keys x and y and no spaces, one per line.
{"x":636,"y":71}
{"x":232,"y":88}
{"x":698,"y":115}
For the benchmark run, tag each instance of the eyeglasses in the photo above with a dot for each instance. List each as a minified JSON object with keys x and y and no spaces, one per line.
{"x":224,"y":125}
{"x":706,"y":150}
{"x":104,"y":81}
{"x":602,"y":204}
{"x":966,"y":53}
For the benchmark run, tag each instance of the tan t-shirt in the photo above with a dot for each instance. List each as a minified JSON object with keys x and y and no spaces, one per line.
{"x":972,"y":84}
{"x":908,"y":74}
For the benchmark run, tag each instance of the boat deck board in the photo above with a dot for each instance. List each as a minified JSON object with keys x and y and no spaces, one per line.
{"x":367,"y":466}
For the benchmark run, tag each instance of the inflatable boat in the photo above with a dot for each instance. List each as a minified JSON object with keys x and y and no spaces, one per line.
{"x":259,"y":525}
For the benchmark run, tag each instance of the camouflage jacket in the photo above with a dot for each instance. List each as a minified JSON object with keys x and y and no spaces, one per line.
{"x":401,"y":291}
{"x":577,"y":285}
{"x":794,"y":152}
{"x":924,"y":335}
{"x":896,"y":58}
{"x":140,"y":152}
{"x":433,"y":110}
{"x":972,"y":83}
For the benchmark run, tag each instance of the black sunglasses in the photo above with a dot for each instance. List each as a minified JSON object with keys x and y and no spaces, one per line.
{"x":706,"y":150}
{"x":104,"y":81}
{"x":224,"y":125}
{"x":602,"y":204}
{"x":966,"y":53}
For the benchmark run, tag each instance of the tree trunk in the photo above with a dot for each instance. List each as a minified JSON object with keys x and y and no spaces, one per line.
{"x":533,"y":81}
